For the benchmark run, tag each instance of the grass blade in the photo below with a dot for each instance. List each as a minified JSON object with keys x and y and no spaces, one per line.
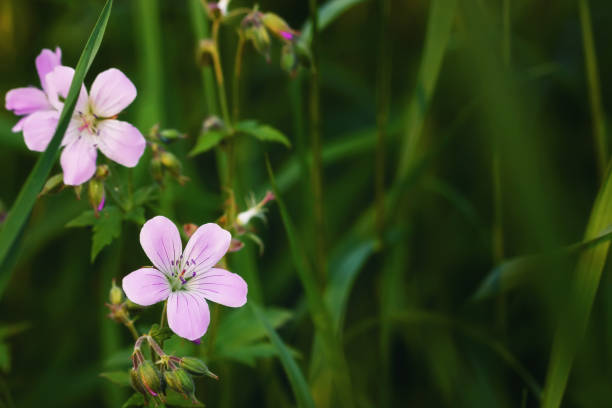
{"x":296,"y":378}
{"x":22,"y":207}
{"x":580,"y":302}
{"x":326,"y":15}
{"x":321,"y":317}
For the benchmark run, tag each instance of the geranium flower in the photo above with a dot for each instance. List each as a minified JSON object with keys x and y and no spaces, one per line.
{"x":185,"y":278}
{"x":31,"y":101}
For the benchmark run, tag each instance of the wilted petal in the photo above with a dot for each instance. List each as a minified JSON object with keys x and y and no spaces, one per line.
{"x":161,"y":241}
{"x":23,"y":101}
{"x":111,"y":92}
{"x":120,"y":142}
{"x":146,"y":286}
{"x":188,"y":314}
{"x":46,"y":62}
{"x":206,"y":247}
{"x":78,"y":161}
{"x":220,"y":286}
{"x":58,"y":85}
{"x":38,"y":129}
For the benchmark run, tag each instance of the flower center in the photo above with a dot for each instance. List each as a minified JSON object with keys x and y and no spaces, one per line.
{"x":89,"y":122}
{"x":181,"y":272}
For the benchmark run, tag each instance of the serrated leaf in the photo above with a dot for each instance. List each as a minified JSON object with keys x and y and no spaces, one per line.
{"x":117,"y":377}
{"x":136,"y":400}
{"x":85,"y":219}
{"x":106,"y":228}
{"x":265,"y":133}
{"x":206,"y":141}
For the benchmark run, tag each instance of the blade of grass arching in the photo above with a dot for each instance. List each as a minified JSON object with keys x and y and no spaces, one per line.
{"x":19,"y":214}
{"x":296,"y":378}
{"x":441,"y":17}
{"x":151,"y":109}
{"x":516,"y":271}
{"x":597,"y":112}
{"x":580,"y":301}
{"x":320,"y":315}
{"x":326,"y":15}
{"x":200,"y":29}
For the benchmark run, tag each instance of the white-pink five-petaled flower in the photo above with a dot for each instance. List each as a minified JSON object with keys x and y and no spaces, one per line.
{"x":93,"y":125}
{"x":185,"y":278}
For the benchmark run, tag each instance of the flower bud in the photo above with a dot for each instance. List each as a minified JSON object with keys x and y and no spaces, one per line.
{"x":55,"y":183}
{"x":195,"y":366}
{"x":180,"y":381}
{"x":255,"y":31}
{"x":116,"y":294}
{"x":212,"y":123}
{"x":151,"y":378}
{"x":170,"y":134}
{"x":206,"y":52}
{"x":136,"y":383}
{"x":289,"y":61}
{"x":96,"y":194}
{"x":279,"y":27}
{"x":102,"y":171}
{"x":189,"y":229}
{"x":170,"y":162}
{"x":157,"y":169}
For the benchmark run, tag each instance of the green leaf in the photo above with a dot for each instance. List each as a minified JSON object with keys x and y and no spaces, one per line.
{"x":249,"y":354}
{"x":516,"y":271}
{"x":136,"y":400}
{"x":207,"y":141}
{"x":20,"y":211}
{"x":240,"y":327}
{"x":117,"y":377}
{"x":12,"y":329}
{"x":580,"y":301}
{"x":265,"y":133}
{"x":144,"y":194}
{"x":85,"y":219}
{"x":120,"y":358}
{"x":136,"y":215}
{"x":328,"y":12}
{"x":106,"y":228}
{"x":174,"y":399}
{"x":296,"y":378}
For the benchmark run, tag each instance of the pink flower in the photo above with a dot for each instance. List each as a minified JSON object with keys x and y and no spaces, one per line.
{"x":30,"y":101}
{"x":186,"y":278}
{"x":93,"y":125}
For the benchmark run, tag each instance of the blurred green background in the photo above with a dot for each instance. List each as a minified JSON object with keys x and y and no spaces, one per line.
{"x":490,"y":112}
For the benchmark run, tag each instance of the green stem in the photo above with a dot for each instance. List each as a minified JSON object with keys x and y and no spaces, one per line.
{"x":315,"y":136}
{"x":590,"y":60}
{"x":163,"y":315}
{"x":130,"y":325}
{"x":200,"y":26}
{"x":237,"y":73}
{"x":219,"y":75}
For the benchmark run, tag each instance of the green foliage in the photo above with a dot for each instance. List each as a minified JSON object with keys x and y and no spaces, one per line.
{"x":106,"y":227}
{"x":207,"y":141}
{"x":121,"y":378}
{"x":265,"y":133}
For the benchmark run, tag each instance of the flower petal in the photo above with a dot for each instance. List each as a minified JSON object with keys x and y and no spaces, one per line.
{"x":46,"y":62}
{"x":161,"y":241}
{"x":120,"y":142}
{"x":206,"y":247}
{"x":58,"y":84}
{"x":146,"y":286}
{"x":23,"y":101}
{"x":19,"y":125}
{"x":38,"y":129}
{"x":78,"y":161}
{"x":111,"y":92}
{"x":188,"y":314}
{"x":220,"y":286}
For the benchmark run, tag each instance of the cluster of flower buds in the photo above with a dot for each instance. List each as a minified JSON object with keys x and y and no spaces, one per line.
{"x":164,"y":161}
{"x":153,"y":380}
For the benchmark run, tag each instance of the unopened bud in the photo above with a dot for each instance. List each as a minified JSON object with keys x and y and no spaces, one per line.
{"x":195,"y":366}
{"x":170,"y":162}
{"x":102,"y":171}
{"x":116,"y":294}
{"x":136,"y":383}
{"x":96,"y":194}
{"x":171,"y":134}
{"x":180,"y":381}
{"x":157,"y":169}
{"x":55,"y":183}
{"x":206,"y":52}
{"x":189,"y":229}
{"x":151,"y":378}
{"x":212,"y":123}
{"x":255,"y":31}
{"x":279,"y":27}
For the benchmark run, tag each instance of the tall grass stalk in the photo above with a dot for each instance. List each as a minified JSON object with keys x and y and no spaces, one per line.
{"x":316,"y":169}
{"x":597,"y":112}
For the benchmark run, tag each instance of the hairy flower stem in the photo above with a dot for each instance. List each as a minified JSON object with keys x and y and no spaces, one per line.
{"x":237,"y":72}
{"x":219,"y":74}
{"x":163,"y":315}
{"x":130,"y":325}
{"x":315,"y":136}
